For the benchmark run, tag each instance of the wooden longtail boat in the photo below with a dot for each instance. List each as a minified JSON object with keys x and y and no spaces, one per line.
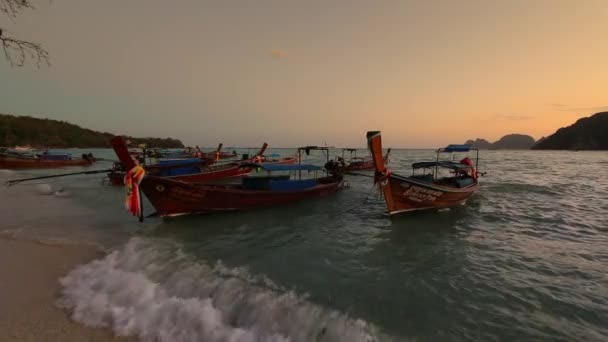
{"x":9,"y":161}
{"x":283,"y":161}
{"x":196,"y":171}
{"x":361,"y":163}
{"x":172,"y":197}
{"x":428,"y":190}
{"x":193,"y":173}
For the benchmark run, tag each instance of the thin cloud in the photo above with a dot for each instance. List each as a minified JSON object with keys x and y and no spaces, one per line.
{"x":585,"y":109}
{"x":279,"y":54}
{"x":569,"y":108}
{"x":516,"y":117}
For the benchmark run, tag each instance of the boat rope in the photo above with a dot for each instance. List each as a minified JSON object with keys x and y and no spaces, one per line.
{"x":17,"y":181}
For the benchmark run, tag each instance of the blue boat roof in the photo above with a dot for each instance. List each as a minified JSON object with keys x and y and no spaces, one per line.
{"x":289,"y":167}
{"x":457,"y":148}
{"x":179,"y":161}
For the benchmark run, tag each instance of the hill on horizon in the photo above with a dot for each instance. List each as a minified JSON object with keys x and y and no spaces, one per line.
{"x":509,"y":141}
{"x":48,"y":133}
{"x":590,"y":133}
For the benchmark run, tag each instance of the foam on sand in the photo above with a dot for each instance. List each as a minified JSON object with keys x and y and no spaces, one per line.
{"x":152,"y":290}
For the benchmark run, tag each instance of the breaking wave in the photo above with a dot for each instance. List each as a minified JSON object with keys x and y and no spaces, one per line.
{"x":152,"y":290}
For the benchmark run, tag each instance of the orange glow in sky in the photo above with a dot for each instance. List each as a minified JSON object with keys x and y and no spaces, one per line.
{"x":426,"y":73}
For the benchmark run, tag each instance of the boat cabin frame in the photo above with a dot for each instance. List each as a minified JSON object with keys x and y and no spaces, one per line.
{"x":353,"y":153}
{"x":306,"y":150}
{"x":444,"y":164}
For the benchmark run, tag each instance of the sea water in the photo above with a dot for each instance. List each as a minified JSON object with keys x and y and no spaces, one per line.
{"x":525,"y":259}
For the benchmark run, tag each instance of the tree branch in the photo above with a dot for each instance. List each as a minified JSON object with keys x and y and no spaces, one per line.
{"x":16,"y":51}
{"x":12,"y":8}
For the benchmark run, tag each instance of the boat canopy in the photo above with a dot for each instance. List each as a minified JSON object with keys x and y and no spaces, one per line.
{"x":444,"y":164}
{"x":289,"y":167}
{"x":456,"y":148}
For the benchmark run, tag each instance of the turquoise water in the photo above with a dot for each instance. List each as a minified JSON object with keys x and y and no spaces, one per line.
{"x":525,"y":259}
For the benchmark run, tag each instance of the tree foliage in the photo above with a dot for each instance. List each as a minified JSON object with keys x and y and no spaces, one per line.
{"x":26,"y":130}
{"x":17,"y":51}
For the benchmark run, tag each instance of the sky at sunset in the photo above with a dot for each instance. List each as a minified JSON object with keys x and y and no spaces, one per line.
{"x":426,"y":73}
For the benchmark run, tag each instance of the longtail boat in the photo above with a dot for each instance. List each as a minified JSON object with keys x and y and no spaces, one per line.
{"x":195,"y":170}
{"x":355,"y":163}
{"x":172,"y":197}
{"x":429,"y":189}
{"x":11,"y":160}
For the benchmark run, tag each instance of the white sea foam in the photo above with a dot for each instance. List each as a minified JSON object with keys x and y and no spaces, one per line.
{"x":151,"y":289}
{"x":44,"y":189}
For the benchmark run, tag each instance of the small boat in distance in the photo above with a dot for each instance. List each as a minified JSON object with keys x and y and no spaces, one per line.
{"x":429,"y":189}
{"x":26,"y":159}
{"x":172,"y":197}
{"x":360,"y":163}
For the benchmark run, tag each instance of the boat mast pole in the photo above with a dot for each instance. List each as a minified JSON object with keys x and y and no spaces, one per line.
{"x":299,"y":163}
{"x":435,"y":170}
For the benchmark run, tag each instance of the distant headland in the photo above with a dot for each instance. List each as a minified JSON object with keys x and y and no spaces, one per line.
{"x":510,"y":142}
{"x":586,"y":134}
{"x":26,"y":130}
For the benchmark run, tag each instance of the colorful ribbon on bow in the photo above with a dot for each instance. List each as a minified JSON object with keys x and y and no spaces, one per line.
{"x":133,"y":195}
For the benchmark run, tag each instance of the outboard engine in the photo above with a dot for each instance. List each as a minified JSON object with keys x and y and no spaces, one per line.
{"x":335,"y":167}
{"x":88,"y":156}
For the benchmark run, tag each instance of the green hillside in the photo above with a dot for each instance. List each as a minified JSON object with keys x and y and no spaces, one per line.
{"x":26,"y":130}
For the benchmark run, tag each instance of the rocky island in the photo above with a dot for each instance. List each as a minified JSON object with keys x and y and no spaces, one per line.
{"x":509,"y":142}
{"x":585,"y":134}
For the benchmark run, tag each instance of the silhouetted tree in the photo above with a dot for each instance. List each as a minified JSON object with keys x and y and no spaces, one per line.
{"x":16,"y":50}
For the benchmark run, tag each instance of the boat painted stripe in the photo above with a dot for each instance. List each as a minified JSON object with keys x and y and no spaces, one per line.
{"x":407,"y":210}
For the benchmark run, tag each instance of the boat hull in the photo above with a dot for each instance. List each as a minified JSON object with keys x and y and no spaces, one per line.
{"x":283,"y":161}
{"x":173,"y":198}
{"x":361,"y":166}
{"x":403,"y":194}
{"x":116,"y":178}
{"x":9,"y":163}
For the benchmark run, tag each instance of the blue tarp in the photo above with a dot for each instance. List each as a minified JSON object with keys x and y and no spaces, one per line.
{"x":179,"y":161}
{"x":291,"y":185}
{"x":457,"y":148}
{"x":289,"y":167}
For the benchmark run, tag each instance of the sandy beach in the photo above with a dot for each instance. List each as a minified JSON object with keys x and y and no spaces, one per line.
{"x":29,"y":288}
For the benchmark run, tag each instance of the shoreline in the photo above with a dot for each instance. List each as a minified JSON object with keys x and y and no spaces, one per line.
{"x":29,"y":289}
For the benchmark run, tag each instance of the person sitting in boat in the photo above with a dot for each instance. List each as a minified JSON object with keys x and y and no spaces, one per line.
{"x":258,"y":159}
{"x":470,"y":171}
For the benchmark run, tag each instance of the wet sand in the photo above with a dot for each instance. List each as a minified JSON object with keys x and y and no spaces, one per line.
{"x":29,"y":289}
